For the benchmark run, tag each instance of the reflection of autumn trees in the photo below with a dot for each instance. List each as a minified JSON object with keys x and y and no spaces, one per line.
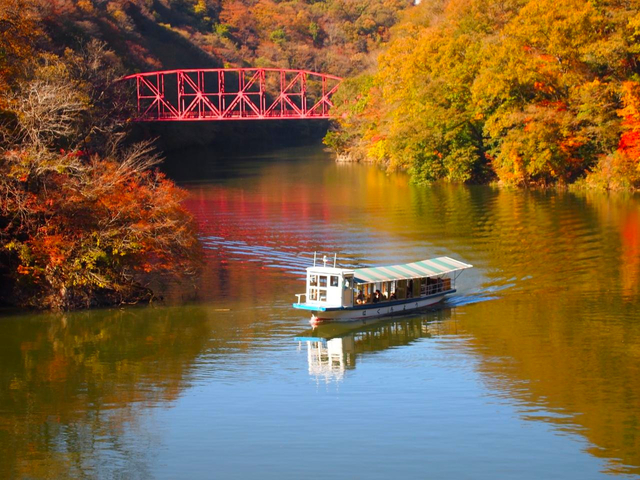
{"x":69,"y":384}
{"x":580,"y":366}
{"x":552,"y":236}
{"x":564,"y":338}
{"x":630,"y":257}
{"x":75,"y":390}
{"x":560,"y":239}
{"x":566,"y":334}
{"x":621,"y":217}
{"x":272,"y":218}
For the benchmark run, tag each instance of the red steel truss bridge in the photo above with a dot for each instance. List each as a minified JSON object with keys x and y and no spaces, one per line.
{"x":233,"y":94}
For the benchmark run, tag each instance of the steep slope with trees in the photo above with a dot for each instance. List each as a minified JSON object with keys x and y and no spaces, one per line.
{"x":333,"y":36}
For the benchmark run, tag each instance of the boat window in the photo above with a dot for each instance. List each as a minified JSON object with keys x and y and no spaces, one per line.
{"x":323,"y":281}
{"x":347,"y":282}
{"x":401,"y":289}
{"x":318,"y":294}
{"x":432,"y":286}
{"x":334,"y":281}
{"x":313,"y":280}
{"x":423,"y":286}
{"x":368,"y":293}
{"x":416,"y":287}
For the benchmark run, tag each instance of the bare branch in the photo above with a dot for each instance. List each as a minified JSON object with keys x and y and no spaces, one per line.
{"x":46,"y":111}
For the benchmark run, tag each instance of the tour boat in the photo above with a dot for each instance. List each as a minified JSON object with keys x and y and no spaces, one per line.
{"x":342,"y":294}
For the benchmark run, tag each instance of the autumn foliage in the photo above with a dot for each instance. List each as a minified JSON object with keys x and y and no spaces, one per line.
{"x":332,"y":36}
{"x":81,"y":233}
{"x":627,"y":156}
{"x":18,"y":30}
{"x":526,"y":92}
{"x":84,"y":215}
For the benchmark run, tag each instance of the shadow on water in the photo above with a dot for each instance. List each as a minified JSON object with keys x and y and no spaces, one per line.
{"x":237,"y":149}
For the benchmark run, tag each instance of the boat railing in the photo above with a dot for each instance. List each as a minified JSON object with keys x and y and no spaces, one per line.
{"x":301,"y":295}
{"x":443,"y":286}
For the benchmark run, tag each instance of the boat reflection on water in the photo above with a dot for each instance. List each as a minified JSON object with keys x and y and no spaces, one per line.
{"x":333,"y":348}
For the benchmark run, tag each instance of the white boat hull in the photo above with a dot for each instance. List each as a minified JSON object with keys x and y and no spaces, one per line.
{"x":374,"y":310}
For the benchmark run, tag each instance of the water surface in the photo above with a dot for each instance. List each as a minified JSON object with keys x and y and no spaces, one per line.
{"x":530,"y":371}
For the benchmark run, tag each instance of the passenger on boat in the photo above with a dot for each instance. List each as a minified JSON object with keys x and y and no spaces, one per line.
{"x":393,"y":296}
{"x":377,"y":296}
{"x":360,"y":298}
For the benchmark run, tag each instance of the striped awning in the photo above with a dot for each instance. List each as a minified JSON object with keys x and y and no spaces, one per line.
{"x":425,"y":268}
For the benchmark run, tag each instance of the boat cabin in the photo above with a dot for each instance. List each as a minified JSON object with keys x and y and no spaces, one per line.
{"x":329,"y":286}
{"x":332,"y":287}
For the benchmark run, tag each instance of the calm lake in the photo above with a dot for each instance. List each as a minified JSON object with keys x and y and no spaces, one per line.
{"x":530,"y":371}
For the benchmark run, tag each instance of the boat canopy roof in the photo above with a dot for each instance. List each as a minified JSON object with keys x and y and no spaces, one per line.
{"x":424,"y":268}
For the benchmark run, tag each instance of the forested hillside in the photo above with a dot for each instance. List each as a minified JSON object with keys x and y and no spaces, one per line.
{"x":526,"y":92}
{"x":332,"y":36}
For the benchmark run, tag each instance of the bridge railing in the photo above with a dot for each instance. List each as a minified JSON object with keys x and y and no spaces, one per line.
{"x":233,"y":94}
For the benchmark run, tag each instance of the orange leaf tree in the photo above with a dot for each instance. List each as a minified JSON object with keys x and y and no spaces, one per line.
{"x":83,"y":216}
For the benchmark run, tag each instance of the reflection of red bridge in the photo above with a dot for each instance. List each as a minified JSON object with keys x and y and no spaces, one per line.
{"x":233,"y":94}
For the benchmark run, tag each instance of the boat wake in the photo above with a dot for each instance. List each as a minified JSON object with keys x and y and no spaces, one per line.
{"x":291,"y":260}
{"x":490,"y":292}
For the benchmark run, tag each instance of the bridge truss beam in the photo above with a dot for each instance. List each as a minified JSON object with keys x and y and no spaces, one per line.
{"x":233,"y":94}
